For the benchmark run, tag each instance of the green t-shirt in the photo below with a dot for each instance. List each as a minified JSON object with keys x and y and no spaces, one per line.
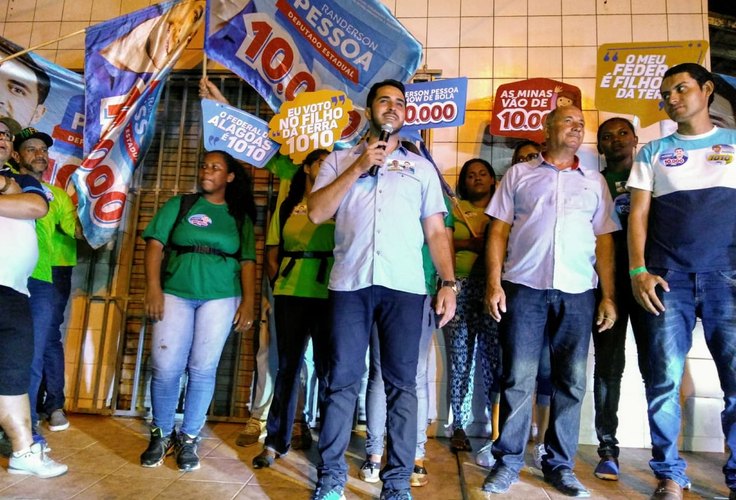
{"x":62,"y":239}
{"x":430,"y":273}
{"x":300,"y":235}
{"x":58,"y":220}
{"x":465,"y":260}
{"x":196,"y":275}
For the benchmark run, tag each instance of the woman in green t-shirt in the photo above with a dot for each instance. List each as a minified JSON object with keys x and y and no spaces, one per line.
{"x":208,"y":290}
{"x":299,"y":259}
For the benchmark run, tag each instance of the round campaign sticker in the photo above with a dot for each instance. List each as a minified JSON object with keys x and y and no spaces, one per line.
{"x":673,"y":158}
{"x":623,"y":204}
{"x":720,"y":154}
{"x":200,"y":220}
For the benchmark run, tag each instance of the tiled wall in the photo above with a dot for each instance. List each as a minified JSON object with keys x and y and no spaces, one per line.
{"x":491,"y":42}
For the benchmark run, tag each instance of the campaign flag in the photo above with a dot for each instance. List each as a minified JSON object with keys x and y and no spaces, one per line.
{"x":435,"y":104}
{"x":51,"y":99}
{"x":285,"y":47}
{"x":127,"y":61}
{"x":239,"y":133}
{"x":519,"y":108}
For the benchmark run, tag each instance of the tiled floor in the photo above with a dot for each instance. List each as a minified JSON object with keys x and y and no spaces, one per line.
{"x":102,"y":454}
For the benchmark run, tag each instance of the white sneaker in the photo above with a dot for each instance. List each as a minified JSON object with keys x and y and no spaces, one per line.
{"x":369,"y":471}
{"x":35,"y":462}
{"x":539,"y":452}
{"x":484,"y":458}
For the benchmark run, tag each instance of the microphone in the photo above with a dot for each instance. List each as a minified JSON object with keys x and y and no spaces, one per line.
{"x":386,"y":130}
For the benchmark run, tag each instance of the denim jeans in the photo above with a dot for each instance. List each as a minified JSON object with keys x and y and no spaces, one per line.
{"x":566,"y":318}
{"x":297,"y":319}
{"x":610,"y":359}
{"x":190,"y":337}
{"x":712,"y":297}
{"x":398,"y":317}
{"x":376,"y":393}
{"x":47,"y":310}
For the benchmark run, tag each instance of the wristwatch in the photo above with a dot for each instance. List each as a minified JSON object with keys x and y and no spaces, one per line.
{"x":454,"y":285}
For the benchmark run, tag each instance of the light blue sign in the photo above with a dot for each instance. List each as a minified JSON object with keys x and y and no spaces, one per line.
{"x":436,"y":104}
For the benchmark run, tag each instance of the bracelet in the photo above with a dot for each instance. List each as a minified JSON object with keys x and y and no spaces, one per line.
{"x":6,"y":186}
{"x":638,"y":270}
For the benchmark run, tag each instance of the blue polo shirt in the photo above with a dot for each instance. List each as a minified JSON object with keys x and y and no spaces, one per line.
{"x":378,"y":225}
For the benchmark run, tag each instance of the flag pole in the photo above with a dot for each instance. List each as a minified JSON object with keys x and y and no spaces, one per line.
{"x":36,"y":47}
{"x":204,"y":66}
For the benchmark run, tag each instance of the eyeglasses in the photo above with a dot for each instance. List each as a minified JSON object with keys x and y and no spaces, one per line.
{"x":6,"y":136}
{"x":529,"y":157}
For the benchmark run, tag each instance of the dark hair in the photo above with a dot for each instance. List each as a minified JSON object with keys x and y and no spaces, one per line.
{"x":43,"y":82}
{"x":385,"y":83}
{"x":462,"y":191}
{"x":699,"y":74}
{"x":615,"y":119}
{"x":298,"y":187}
{"x":523,"y":144}
{"x":239,"y":192}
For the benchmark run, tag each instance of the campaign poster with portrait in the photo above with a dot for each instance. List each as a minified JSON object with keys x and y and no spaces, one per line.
{"x":629,"y":75}
{"x":127,"y":61}
{"x":38,"y":93}
{"x":285,"y":47}
{"x":519,"y":108}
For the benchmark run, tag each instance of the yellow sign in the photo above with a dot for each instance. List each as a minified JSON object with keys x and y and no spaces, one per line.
{"x":313,"y":120}
{"x":630,"y":75}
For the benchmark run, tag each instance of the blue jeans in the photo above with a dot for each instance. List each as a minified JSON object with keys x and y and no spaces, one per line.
{"x":189,"y":338}
{"x":566,"y":318}
{"x":47,"y":310}
{"x":376,"y":393}
{"x":297,"y":319}
{"x":712,"y":297}
{"x":398,"y":317}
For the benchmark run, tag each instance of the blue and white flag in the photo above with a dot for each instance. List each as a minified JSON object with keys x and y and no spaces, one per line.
{"x":241,"y":134}
{"x":127,"y":62}
{"x":285,"y":47}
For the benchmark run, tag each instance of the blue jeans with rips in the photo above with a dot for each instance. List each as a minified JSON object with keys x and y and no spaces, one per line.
{"x":710,"y":296}
{"x":190,"y":337}
{"x":398,"y":318}
{"x":566,"y":318}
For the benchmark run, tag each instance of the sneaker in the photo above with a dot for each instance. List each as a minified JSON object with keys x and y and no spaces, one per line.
{"x":565,"y":482}
{"x":38,"y":438}
{"x":484,"y":458}
{"x":301,"y":436}
{"x":254,"y":430}
{"x":539,"y":452}
{"x":57,"y":421}
{"x":459,"y":441}
{"x":185,"y":450}
{"x":328,"y":489}
{"x":35,"y":462}
{"x":158,"y":448}
{"x":499,"y":480}
{"x":265,"y":459}
{"x":388,"y":494}
{"x":607,"y":469}
{"x":419,"y":476}
{"x":369,"y":471}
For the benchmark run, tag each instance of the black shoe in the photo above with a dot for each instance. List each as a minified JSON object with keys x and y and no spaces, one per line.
{"x":459,"y":441}
{"x":499,"y":480}
{"x":185,"y":450}
{"x":565,"y":482}
{"x":158,"y":448}
{"x":264,"y":459}
{"x":732,"y":495}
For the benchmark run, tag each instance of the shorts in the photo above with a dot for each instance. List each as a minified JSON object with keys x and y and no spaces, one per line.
{"x":16,"y":341}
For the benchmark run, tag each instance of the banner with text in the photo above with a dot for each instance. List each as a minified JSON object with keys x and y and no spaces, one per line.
{"x":519,"y":108}
{"x":436,"y":104}
{"x":629,"y":75}
{"x":50,"y":98}
{"x":285,"y":47}
{"x":239,"y":133}
{"x":313,"y":120}
{"x":127,"y":61}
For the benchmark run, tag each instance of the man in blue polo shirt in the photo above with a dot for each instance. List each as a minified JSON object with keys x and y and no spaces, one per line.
{"x":384,"y":212}
{"x":682,"y":263}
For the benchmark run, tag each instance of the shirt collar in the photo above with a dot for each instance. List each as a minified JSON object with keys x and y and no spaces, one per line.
{"x":539,"y":160}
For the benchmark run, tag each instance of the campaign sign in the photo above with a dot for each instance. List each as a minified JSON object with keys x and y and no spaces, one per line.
{"x":436,"y":104}
{"x":629,"y":75}
{"x":241,"y":134}
{"x":285,"y":47}
{"x":519,"y":108}
{"x":313,"y":120}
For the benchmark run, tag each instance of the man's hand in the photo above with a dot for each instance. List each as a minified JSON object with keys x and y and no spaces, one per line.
{"x":644,"y":287}
{"x":445,"y":305}
{"x":374,"y":154}
{"x":11,"y":187}
{"x":607,"y":315}
{"x":495,"y":301}
{"x":208,"y":90}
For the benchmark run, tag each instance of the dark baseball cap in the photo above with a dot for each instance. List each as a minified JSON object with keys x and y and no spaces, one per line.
{"x":31,"y":133}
